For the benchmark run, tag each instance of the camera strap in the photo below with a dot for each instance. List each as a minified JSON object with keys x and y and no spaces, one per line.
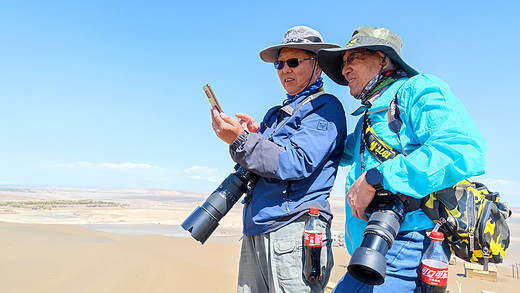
{"x":377,"y":147}
{"x":381,"y":150}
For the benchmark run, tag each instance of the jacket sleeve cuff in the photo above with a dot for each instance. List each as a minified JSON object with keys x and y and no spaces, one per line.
{"x":239,"y":143}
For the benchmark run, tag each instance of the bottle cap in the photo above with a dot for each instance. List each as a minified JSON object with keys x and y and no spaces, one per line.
{"x":314,"y":211}
{"x":437,"y":235}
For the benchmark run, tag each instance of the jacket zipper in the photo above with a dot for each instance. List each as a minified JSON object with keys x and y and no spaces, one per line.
{"x":287,"y":193}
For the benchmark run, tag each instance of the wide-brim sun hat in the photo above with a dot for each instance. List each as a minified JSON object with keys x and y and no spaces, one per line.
{"x":298,"y":37}
{"x":377,"y":39}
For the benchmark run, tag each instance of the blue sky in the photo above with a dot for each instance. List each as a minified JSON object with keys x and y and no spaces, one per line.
{"x":108,"y":94}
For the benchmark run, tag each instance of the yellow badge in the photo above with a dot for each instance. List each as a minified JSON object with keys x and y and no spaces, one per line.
{"x":352,"y":42}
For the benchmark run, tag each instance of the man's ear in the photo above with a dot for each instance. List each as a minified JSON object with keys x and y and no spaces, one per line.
{"x":384,"y":60}
{"x":318,"y":69}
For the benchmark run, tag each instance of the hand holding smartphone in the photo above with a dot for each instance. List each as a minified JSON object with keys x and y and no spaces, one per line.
{"x":212,"y":98}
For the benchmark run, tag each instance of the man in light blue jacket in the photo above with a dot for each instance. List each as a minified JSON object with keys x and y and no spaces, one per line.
{"x":296,"y":151}
{"x":437,"y":146}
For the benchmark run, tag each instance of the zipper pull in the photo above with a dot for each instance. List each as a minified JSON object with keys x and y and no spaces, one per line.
{"x":286,"y":194}
{"x":471,"y":241}
{"x":486,"y":255}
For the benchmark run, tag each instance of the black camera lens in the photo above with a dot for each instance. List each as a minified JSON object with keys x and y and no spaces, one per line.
{"x":368,"y":262}
{"x":204,"y":220}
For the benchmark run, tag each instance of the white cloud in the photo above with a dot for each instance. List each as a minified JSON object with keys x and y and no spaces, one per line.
{"x":8,"y":183}
{"x":507,"y":188}
{"x":203,"y":173}
{"x":501,"y":182}
{"x":200,"y":169}
{"x":108,"y":166}
{"x":213,"y":179}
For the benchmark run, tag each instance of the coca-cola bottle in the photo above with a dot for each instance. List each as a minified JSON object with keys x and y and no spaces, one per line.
{"x":313,"y":241}
{"x":434,"y":268}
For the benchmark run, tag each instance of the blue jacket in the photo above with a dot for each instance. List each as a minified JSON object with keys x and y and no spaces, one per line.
{"x":298,"y":162}
{"x":442,"y":142}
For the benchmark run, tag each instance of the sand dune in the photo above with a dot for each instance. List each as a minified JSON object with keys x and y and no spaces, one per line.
{"x":63,"y":258}
{"x":45,"y":250}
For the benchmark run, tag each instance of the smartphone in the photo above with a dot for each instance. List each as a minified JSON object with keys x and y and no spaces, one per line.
{"x":211,"y":97}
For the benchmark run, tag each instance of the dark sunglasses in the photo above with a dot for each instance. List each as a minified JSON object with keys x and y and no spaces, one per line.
{"x":292,"y":63}
{"x":350,"y":59}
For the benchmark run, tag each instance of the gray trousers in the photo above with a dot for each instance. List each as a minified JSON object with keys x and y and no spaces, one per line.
{"x":273,"y":262}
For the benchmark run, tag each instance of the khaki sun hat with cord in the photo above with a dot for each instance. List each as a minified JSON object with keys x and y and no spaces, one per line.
{"x":377,"y":39}
{"x":298,"y":37}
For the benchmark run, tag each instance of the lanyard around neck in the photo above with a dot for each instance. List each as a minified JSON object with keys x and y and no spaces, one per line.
{"x":377,"y":147}
{"x":290,"y":111}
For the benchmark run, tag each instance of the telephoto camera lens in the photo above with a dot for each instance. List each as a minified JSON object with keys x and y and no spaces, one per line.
{"x":204,"y":219}
{"x":368,"y":262}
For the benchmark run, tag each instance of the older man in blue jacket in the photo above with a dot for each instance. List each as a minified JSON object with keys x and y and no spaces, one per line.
{"x":296,"y":151}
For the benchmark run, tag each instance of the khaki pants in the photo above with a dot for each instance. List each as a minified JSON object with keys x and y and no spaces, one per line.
{"x":273,"y":262}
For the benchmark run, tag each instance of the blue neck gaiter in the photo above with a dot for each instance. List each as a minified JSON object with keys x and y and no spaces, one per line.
{"x":316,"y":85}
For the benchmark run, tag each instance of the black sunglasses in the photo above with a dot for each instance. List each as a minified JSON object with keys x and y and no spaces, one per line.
{"x":293,"y":62}
{"x":350,"y":59}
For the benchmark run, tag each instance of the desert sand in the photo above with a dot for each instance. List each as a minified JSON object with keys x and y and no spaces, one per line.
{"x":64,"y":247}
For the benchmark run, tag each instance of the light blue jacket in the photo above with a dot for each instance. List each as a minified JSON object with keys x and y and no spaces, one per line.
{"x":443,"y":145}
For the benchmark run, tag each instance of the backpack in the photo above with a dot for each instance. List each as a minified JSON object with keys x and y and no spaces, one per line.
{"x":472,"y":218}
{"x":474,"y":221}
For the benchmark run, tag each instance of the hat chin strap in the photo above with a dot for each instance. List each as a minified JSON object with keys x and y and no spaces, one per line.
{"x":313,"y":70}
{"x":382,"y":64}
{"x":363,"y":95}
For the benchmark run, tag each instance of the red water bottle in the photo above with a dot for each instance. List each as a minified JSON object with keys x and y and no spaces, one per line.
{"x":313,"y":241}
{"x":434,"y":268}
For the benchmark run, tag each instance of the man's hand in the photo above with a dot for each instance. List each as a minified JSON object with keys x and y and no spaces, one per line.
{"x":247,"y":122}
{"x":226,"y":128}
{"x":359,"y":197}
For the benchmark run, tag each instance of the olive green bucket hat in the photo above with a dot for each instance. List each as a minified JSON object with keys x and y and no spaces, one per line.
{"x":377,"y":39}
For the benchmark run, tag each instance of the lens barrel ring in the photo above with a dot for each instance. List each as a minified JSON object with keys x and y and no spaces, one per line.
{"x":382,"y":235}
{"x":209,"y":213}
